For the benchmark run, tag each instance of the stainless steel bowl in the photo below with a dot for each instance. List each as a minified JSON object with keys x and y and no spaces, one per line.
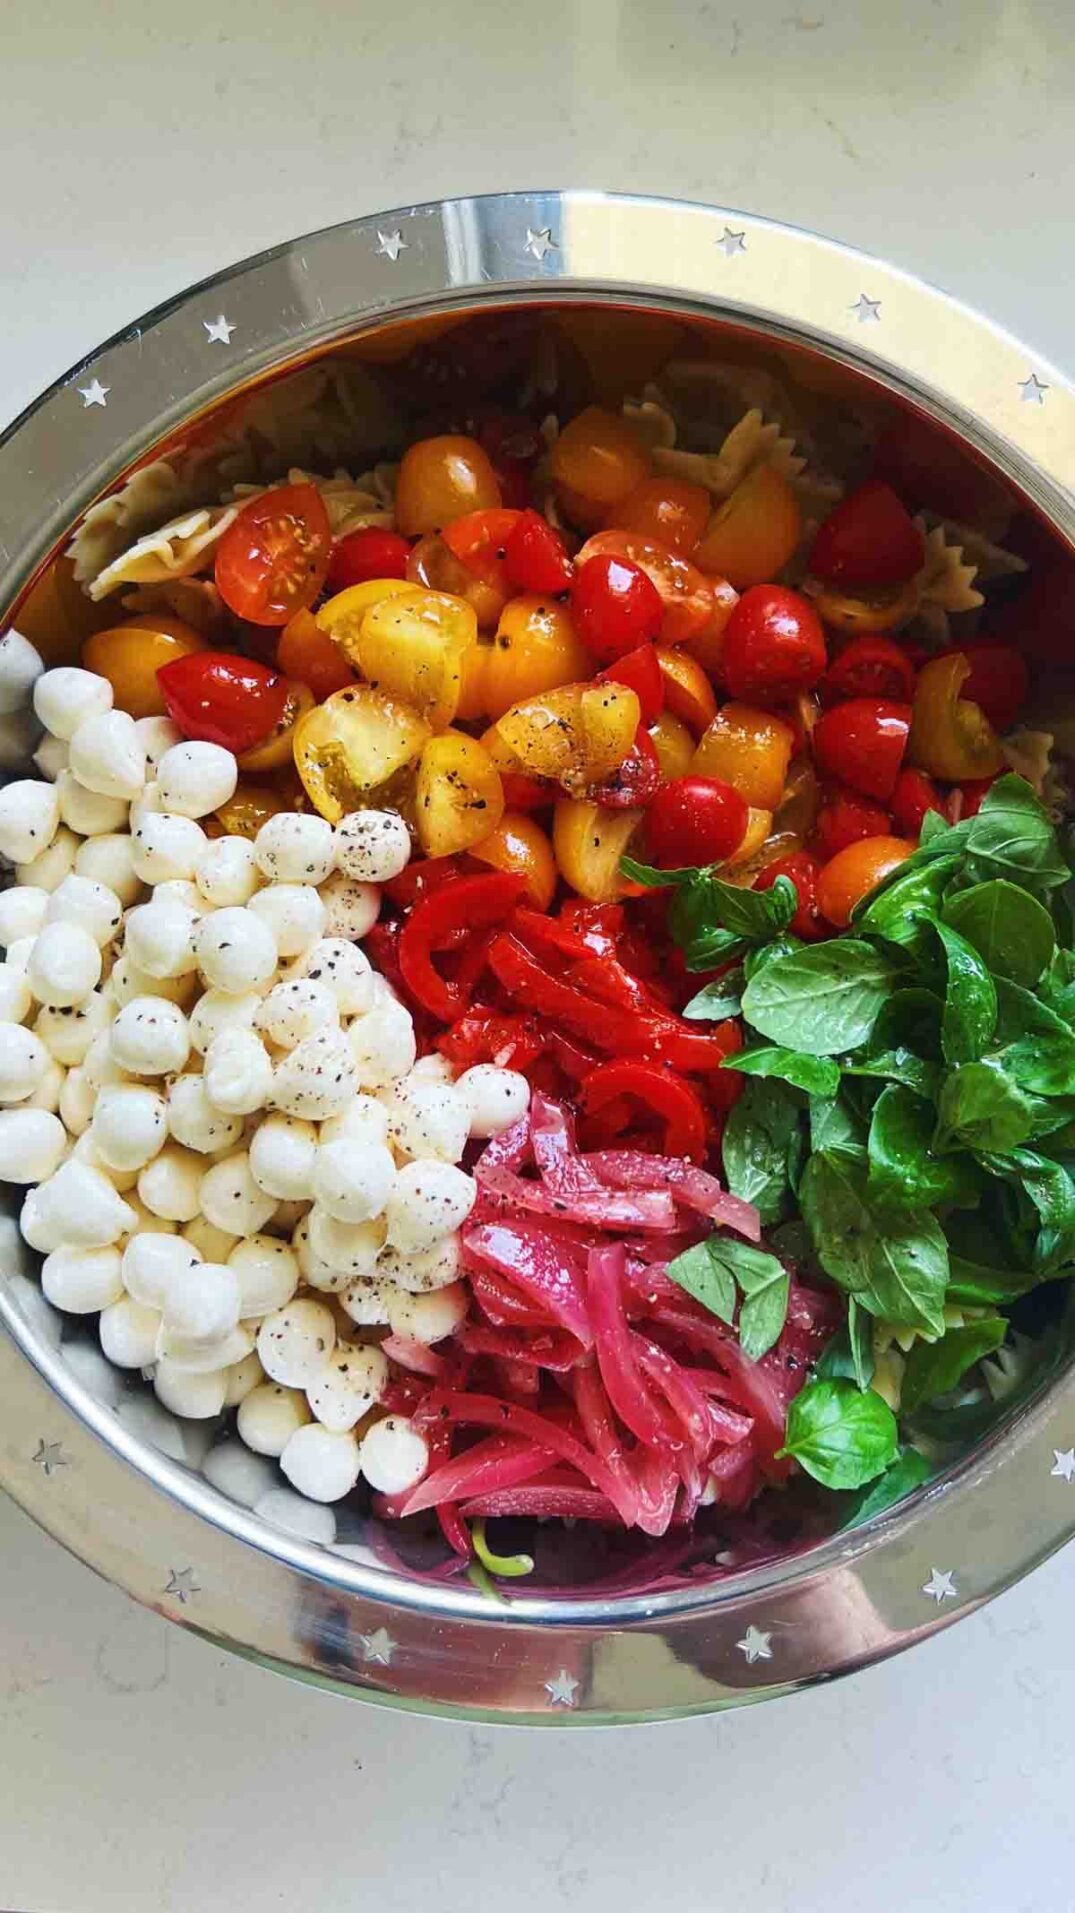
{"x":228,"y":379}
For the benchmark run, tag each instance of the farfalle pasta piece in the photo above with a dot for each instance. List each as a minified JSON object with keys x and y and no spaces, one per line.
{"x":350,"y":503}
{"x":196,"y":601}
{"x":946,"y":578}
{"x":1029,"y":754}
{"x":109,"y":526}
{"x":651,"y":421}
{"x":178,"y":549}
{"x":991,"y":561}
{"x":751,"y":442}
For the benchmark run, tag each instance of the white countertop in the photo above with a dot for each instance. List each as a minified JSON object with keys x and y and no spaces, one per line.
{"x":144,"y":146}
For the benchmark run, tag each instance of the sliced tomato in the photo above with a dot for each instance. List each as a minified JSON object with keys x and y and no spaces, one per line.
{"x":272,"y":561}
{"x":914,"y":795}
{"x":368,"y":553}
{"x":869,"y":538}
{"x":686,"y":594}
{"x":633,"y":783}
{"x":846,"y":819}
{"x":863,"y":743}
{"x":223,"y":699}
{"x":616,"y":607}
{"x":870,"y":667}
{"x":480,"y":540}
{"x":998,"y":680}
{"x":641,"y":670}
{"x":694,"y":820}
{"x":804,"y":871}
{"x":536,"y":557}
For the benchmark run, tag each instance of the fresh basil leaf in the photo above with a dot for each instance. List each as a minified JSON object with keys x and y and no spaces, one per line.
{"x":761,"y":1134}
{"x":836,"y":1130}
{"x":979,"y":1105}
{"x":1057,"y":986}
{"x":904,"y":1173}
{"x":1011,"y":931}
{"x":910,"y":1019}
{"x":817,"y":1075}
{"x":970,"y":1002}
{"x":934,"y":1368}
{"x":901,"y":1478}
{"x":1036,"y":1047}
{"x":764,"y":953}
{"x":896,"y":1266}
{"x":976,"y":1285}
{"x":710,"y":948}
{"x":902,"y":911}
{"x":719,"y":999}
{"x":707,"y":1278}
{"x":1049,"y":1188}
{"x":836,"y":1362}
{"x":840,"y":1435}
{"x":791,"y":1242}
{"x":764,"y":1308}
{"x":899,"y":1066}
{"x":1012,"y":836}
{"x":821,"y":1000}
{"x":656,"y":879}
{"x":710,"y":1272}
{"x":933,"y":827}
{"x":1052,"y":1116}
{"x":860,"y":1339}
{"x":707,"y":903}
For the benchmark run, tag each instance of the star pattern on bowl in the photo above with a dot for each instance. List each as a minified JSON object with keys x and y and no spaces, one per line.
{"x":866,"y":310}
{"x":49,"y":1456}
{"x":1033,"y":390}
{"x":181,"y":1585}
{"x":390,"y":244}
{"x":539,"y":241}
{"x":941,"y":1585}
{"x":379,"y":1647}
{"x":218,"y":331}
{"x":562,"y":1689}
{"x":94,"y":394}
{"x":755,"y":1645}
{"x":1063,"y":1464}
{"x":731,"y":242}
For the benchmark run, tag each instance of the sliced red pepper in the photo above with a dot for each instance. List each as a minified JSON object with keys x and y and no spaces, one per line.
{"x":480,"y":540}
{"x":491,"y":1036}
{"x":471,"y":904}
{"x":662,"y":1093}
{"x":640,"y":669}
{"x":421,"y":876}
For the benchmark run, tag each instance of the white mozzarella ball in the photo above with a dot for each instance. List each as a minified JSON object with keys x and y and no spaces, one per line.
{"x":372,"y":845}
{"x":65,"y":965}
{"x":65,"y":697}
{"x":283,"y":1150}
{"x":201,"y":1301}
{"x":325,"y":1277}
{"x":293,"y":913}
{"x":85,"y":1150}
{"x":78,"y":1096}
{"x":198,"y":1356}
{"x":150,"y":1037}
{"x":152,"y":1261}
{"x":48,"y":870}
{"x":145,"y":1222}
{"x":195,"y":1122}
{"x":50,"y":758}
{"x":429,"y":1200}
{"x":129,"y":1125}
{"x":235,"y":950}
{"x":24,"y":1061}
{"x":86,"y":812}
{"x":19,"y":954}
{"x":269,"y":1416}
{"x":126,"y":981}
{"x":213,"y":1244}
{"x":23,"y":909}
{"x":238,"y":1073}
{"x":351,"y":908}
{"x":166,"y":847}
{"x":367,"y":1301}
{"x":353,"y":1180}
{"x":128,"y":1333}
{"x":351,"y":1248}
{"x":195,"y":1397}
{"x":425,"y":1271}
{"x":231,"y":1199}
{"x":321,"y":1464}
{"x":68,"y":1032}
{"x":180,"y":890}
{"x":159,"y":938}
{"x":267,"y":1272}
{"x":82,"y":1281}
{"x":226,"y":872}
{"x":99,"y":1065}
{"x":218,"y":1012}
{"x":393,"y":1456}
{"x":348,"y":1387}
{"x":47,"y":1094}
{"x":295,"y":1343}
{"x":15,"y":999}
{"x":430,"y":1317}
{"x":93,"y":906}
{"x":85,"y":1207}
{"x":235,"y":1472}
{"x":383,"y":1045}
{"x":32,"y":1142}
{"x":365,"y":1120}
{"x":344,"y":969}
{"x":170,"y":1185}
{"x":29,"y":819}
{"x":294,"y":1010}
{"x":243,"y":1377}
{"x":157,"y":734}
{"x":317,"y":1079}
{"x":295,"y":848}
{"x":110,"y":860}
{"x":427,"y":1119}
{"x":38,"y":1224}
{"x":433,"y":1068}
{"x":20,"y":668}
{"x":146,"y":803}
{"x":107,"y":755}
{"x":195,"y":778}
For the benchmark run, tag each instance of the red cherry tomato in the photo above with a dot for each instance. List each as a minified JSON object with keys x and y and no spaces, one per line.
{"x":513,"y":445}
{"x":691,"y":601}
{"x":223,"y":699}
{"x":616,"y":607}
{"x":641,"y":671}
{"x":804,"y":871}
{"x":870,"y":667}
{"x":846,"y":819}
{"x":971,"y":795}
{"x":774,"y":646}
{"x":527,"y":793}
{"x":634,"y":782}
{"x":998,"y":680}
{"x":913,"y":796}
{"x":869,"y":539}
{"x":694,"y":820}
{"x":369,"y":553}
{"x":535,"y":557}
{"x":272,"y":561}
{"x":480,"y":540}
{"x":862,"y":742}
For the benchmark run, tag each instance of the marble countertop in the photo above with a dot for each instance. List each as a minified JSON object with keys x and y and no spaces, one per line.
{"x":145,"y":146}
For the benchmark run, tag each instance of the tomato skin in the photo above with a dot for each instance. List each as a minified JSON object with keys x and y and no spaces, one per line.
{"x":365,"y":554}
{"x":671,"y":511}
{"x":308,"y":655}
{"x":845,"y":819}
{"x":998,"y":680}
{"x":863,"y":743}
{"x":479,"y":541}
{"x":535,"y":558}
{"x":774,"y":645}
{"x":615,"y":606}
{"x":689,"y":599}
{"x":641,"y":670}
{"x":272,"y":561}
{"x":854,"y":872}
{"x":869,"y":538}
{"x":224,"y":699}
{"x":441,"y":479}
{"x":804,"y":871}
{"x":635,"y":781}
{"x":913,"y":796}
{"x":694,"y":820}
{"x":972,"y":794}
{"x":596,"y":461}
{"x":870,"y":667}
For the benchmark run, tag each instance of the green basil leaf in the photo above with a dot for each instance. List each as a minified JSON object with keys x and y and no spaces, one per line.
{"x":707,"y":1278}
{"x":902,"y":911}
{"x":1011,"y":931}
{"x":817,"y":1075}
{"x":980,"y":1106}
{"x":710,"y":948}
{"x":764,"y":1308}
{"x":901,"y":1478}
{"x":904,"y":1173}
{"x":835,"y":1130}
{"x":896,"y":1266}
{"x":836,"y":1362}
{"x":976,"y":1285}
{"x":840,"y":1435}
{"x":1036,"y":1046}
{"x":707,"y":903}
{"x":911,"y":1019}
{"x":1048,"y":1187}
{"x":934,"y":1368}
{"x":656,"y":879}
{"x":718,"y":1000}
{"x":970,"y":1003}
{"x":933,"y":826}
{"x":710,"y":1272}
{"x":822,"y":999}
{"x":899,"y":1066}
{"x":860,"y":1339}
{"x":764,"y":953}
{"x":1057,"y":986}
{"x":1013,"y":836}
{"x":761,"y":1134}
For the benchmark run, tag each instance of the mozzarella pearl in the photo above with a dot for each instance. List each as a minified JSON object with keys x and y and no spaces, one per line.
{"x":322,"y":1465}
{"x":82,"y":1281}
{"x":316,"y":1273}
{"x":128,"y":1333}
{"x":166,"y":847}
{"x":99,"y":1065}
{"x":32,"y":1142}
{"x":236,"y":1473}
{"x":19,"y":954}
{"x":295,"y":848}
{"x":193,"y":1120}
{"x":317,"y":1079}
{"x":283,"y":1150}
{"x":78,"y":1096}
{"x":67,"y":696}
{"x":159,"y":938}
{"x":215,"y":1245}
{"x":126,"y":981}
{"x":20,"y":668}
{"x":294,"y":1010}
{"x":170,"y":1185}
{"x":65,"y":965}
{"x":48,"y":870}
{"x":428,"y":1318}
{"x":195,"y":778}
{"x":29,"y":818}
{"x":195,"y":1397}
{"x":151,"y":1262}
{"x":68,"y":1032}
{"x":180,"y":890}
{"x":393,"y":1456}
{"x":110,"y":860}
{"x":367,"y":1301}
{"x":427,"y":1119}
{"x":93,"y":906}
{"x":267,"y":1272}
{"x":243,"y":1376}
{"x":47,"y":1094}
{"x":129,"y":1125}
{"x":226,"y":872}
{"x":83,"y":1206}
{"x":421,"y":1273}
{"x":295,"y":1343}
{"x":429,"y":1200}
{"x":238,"y":1073}
{"x":365,"y":1120}
{"x":150,"y":1037}
{"x":231,"y":1199}
{"x":354,"y":1379}
{"x":344,"y":969}
{"x":353,"y":1180}
{"x":235,"y":950}
{"x":382,"y":1045}
{"x":201,"y":1302}
{"x":373,"y":845}
{"x":351,"y":1248}
{"x":85,"y":811}
{"x":23,"y":909}
{"x":293,"y":913}
{"x":15,"y":999}
{"x":351,"y":908}
{"x":269,"y":1416}
{"x":107,"y":755}
{"x":218,"y":1011}
{"x":24,"y":1061}
{"x":50,"y":757}
{"x":158,"y":734}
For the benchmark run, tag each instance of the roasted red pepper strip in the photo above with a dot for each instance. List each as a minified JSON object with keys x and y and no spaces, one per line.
{"x":660,"y":1091}
{"x":471,"y":904}
{"x":491,"y":1036}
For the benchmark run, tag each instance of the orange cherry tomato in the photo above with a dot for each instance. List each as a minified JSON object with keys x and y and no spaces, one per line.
{"x":673,"y":744}
{"x":707,"y":645}
{"x":276,"y":750}
{"x":130,"y":654}
{"x":688,"y":693}
{"x":754,"y":533}
{"x":687,"y":596}
{"x":596,"y":461}
{"x":670,"y":510}
{"x":749,"y":749}
{"x":519,"y":844}
{"x":250,"y":806}
{"x":272,"y":561}
{"x":441,"y":479}
{"x":854,"y":872}
{"x":480,"y":540}
{"x":536,"y":648}
{"x":308,"y":655}
{"x":432,"y":565}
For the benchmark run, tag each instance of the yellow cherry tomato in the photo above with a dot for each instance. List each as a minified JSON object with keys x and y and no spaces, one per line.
{"x":251,"y":806}
{"x":688,"y":693}
{"x":951,"y":737}
{"x":356,"y":749}
{"x":520,"y":844}
{"x":536,"y":648}
{"x":434,"y":566}
{"x":670,"y":510}
{"x":412,"y":646}
{"x":673,"y":743}
{"x":578,"y":734}
{"x":306,"y":652}
{"x":441,"y":479}
{"x":341,"y":617}
{"x":277,"y":749}
{"x":749,"y":749}
{"x":596,"y":461}
{"x":865,"y":617}
{"x":129,"y":655}
{"x":758,"y":831}
{"x":753,"y":534}
{"x":458,"y":794}
{"x":589,"y":843}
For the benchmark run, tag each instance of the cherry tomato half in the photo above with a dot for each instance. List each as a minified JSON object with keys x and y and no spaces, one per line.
{"x":308,"y":655}
{"x":672,"y":511}
{"x":869,"y":539}
{"x":690,"y":601}
{"x":616,"y":607}
{"x":855,"y":872}
{"x":774,"y":645}
{"x":694,"y":820}
{"x":870,"y":667}
{"x":862,"y":742}
{"x":998,"y":681}
{"x":224,"y":699}
{"x":365,"y":554}
{"x":913,"y":796}
{"x":846,"y":819}
{"x":535,"y":557}
{"x":272,"y":561}
{"x":804,"y":870}
{"x":641,"y":670}
{"x":633,"y":783}
{"x":479,"y":540}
